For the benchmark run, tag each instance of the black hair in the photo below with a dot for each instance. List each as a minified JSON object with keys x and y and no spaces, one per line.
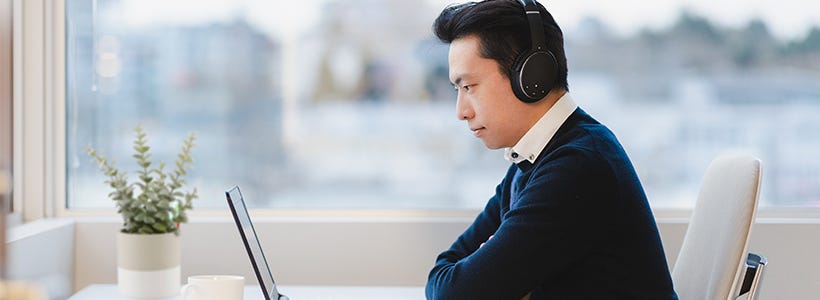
{"x":503,"y":31}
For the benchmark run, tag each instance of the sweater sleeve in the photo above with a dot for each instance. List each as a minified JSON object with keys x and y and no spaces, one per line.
{"x":484,"y":226}
{"x":555,"y":223}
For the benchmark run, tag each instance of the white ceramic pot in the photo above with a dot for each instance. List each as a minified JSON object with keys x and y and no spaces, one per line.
{"x":148,"y":265}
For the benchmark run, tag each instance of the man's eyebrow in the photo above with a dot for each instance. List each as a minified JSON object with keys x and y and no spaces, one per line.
{"x":457,"y":81}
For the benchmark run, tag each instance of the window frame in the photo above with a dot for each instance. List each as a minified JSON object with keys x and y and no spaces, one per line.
{"x":38,"y":108}
{"x":40,"y":135}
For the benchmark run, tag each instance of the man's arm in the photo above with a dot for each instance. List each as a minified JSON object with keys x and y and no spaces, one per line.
{"x":554,"y":225}
{"x":484,"y":226}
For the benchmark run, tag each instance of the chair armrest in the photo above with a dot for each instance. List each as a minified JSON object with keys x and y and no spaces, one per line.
{"x":752,"y":275}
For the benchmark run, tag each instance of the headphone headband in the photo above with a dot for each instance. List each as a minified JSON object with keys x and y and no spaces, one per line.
{"x":536,"y":29}
{"x":534,"y":72}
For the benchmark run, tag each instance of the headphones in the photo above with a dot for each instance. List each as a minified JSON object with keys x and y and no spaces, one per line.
{"x":534,"y":72}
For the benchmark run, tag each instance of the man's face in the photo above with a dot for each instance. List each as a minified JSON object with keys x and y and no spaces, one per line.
{"x":485,"y":98}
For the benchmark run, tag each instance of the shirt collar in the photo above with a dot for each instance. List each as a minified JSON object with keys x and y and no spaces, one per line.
{"x":533,"y":142}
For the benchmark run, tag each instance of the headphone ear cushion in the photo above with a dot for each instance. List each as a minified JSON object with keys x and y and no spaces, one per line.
{"x":515,"y":77}
{"x":533,"y":75}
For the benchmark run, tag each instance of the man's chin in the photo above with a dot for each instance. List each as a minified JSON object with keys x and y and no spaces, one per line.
{"x":492,"y":146}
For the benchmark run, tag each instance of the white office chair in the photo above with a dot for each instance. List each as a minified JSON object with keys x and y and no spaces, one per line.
{"x":713,"y":254}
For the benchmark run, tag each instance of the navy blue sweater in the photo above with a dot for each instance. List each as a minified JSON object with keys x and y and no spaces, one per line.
{"x":580,"y":229}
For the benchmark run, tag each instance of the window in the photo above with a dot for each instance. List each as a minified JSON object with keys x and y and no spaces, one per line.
{"x":347,"y":104}
{"x":300,"y":110}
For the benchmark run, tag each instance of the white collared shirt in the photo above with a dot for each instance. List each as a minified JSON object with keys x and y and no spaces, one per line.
{"x":533,"y":142}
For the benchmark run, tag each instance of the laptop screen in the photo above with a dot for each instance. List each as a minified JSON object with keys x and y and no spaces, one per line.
{"x":248,"y":233}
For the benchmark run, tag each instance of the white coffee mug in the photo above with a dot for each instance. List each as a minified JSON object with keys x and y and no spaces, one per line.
{"x":213,"y":287}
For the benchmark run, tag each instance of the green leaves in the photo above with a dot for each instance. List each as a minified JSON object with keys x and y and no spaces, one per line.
{"x":159,"y":205}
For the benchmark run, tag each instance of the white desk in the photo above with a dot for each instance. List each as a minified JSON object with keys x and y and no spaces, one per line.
{"x":252,"y":292}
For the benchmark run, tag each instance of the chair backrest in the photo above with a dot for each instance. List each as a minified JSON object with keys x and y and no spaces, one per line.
{"x":714,"y":248}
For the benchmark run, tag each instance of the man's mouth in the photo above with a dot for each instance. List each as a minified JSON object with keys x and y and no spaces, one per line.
{"x":477,"y":131}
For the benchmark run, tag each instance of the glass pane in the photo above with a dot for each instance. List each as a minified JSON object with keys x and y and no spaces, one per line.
{"x":679,"y":95}
{"x":347,"y":104}
{"x":299,"y":110}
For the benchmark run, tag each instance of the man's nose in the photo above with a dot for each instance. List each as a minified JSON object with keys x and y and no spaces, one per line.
{"x":463,"y":109}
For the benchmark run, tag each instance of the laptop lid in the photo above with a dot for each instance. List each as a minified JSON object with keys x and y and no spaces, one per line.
{"x":251,"y":240}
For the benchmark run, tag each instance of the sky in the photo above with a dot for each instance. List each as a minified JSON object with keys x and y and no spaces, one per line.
{"x":787,"y":19}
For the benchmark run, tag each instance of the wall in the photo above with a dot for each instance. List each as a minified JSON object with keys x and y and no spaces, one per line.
{"x":793,"y":271}
{"x":334,"y":252}
{"x":401,"y":252}
{"x":6,"y":69}
{"x":5,"y":84}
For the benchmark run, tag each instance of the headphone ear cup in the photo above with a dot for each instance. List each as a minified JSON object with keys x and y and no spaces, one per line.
{"x":533,"y":75}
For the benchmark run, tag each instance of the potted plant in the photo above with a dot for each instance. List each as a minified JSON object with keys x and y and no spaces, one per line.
{"x":152,"y":207}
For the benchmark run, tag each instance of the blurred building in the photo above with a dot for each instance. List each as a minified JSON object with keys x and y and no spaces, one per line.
{"x":218,"y":80}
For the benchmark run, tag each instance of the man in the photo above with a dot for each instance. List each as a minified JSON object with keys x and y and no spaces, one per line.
{"x":570,"y":219}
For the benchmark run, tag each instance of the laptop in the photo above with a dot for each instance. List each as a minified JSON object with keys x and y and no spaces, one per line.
{"x":251,"y":240}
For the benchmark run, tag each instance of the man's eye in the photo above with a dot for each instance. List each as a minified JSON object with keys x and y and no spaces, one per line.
{"x":465,"y":88}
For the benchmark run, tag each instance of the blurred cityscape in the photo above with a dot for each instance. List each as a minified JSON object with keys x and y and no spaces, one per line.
{"x":357,"y":112}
